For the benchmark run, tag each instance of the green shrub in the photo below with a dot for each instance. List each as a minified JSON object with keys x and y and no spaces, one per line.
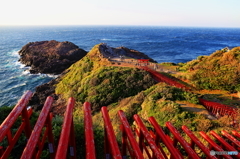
{"x":220,"y":70}
{"x":21,"y":143}
{"x":106,"y":85}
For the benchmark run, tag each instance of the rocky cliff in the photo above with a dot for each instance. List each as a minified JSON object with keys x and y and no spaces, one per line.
{"x":51,"y":57}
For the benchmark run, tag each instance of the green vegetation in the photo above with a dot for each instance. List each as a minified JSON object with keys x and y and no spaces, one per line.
{"x":18,"y":149}
{"x":88,"y":80}
{"x":168,"y":64}
{"x":132,"y":90}
{"x":221,"y":70}
{"x":161,"y":102}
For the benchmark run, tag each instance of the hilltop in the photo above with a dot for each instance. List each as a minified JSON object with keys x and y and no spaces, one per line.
{"x":220,"y":70}
{"x":95,"y":79}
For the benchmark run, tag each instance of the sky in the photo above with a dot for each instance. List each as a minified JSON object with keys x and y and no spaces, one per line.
{"x":196,"y":13}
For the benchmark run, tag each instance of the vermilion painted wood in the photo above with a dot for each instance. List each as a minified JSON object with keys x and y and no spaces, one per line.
{"x":162,"y":78}
{"x":30,"y":149}
{"x":20,"y":108}
{"x":63,"y":144}
{"x":124,"y":142}
{"x":40,"y":144}
{"x":12,"y":117}
{"x":50,"y":136}
{"x":89,"y":137}
{"x":213,"y":144}
{"x":143,"y":144}
{"x":198,"y":142}
{"x":226,"y":109}
{"x":221,"y":109}
{"x":191,"y":153}
{"x":1,"y":150}
{"x":127,"y":129}
{"x":12,"y":141}
{"x":224,"y":143}
{"x":235,"y":133}
{"x":72,"y":143}
{"x":111,"y":138}
{"x":211,"y":106}
{"x":156,"y":152}
{"x":161,"y":134}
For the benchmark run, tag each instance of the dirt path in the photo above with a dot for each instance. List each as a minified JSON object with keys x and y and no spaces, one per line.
{"x":196,"y":108}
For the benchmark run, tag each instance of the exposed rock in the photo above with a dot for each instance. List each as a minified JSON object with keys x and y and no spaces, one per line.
{"x":51,"y":57}
{"x":122,"y":51}
{"x":41,"y":93}
{"x":132,"y":53}
{"x":48,"y":89}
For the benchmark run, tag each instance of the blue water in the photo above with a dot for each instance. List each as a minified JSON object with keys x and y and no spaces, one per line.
{"x":164,"y":44}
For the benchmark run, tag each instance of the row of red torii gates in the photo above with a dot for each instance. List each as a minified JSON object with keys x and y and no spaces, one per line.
{"x":139,"y":143}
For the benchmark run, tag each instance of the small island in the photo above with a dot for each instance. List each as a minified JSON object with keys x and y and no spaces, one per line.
{"x":50,"y":57}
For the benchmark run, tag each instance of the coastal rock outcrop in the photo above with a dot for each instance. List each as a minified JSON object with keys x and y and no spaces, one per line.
{"x":50,"y":57}
{"x":123,"y":51}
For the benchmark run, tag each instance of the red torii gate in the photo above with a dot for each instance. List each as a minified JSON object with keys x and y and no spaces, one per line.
{"x":143,"y":61}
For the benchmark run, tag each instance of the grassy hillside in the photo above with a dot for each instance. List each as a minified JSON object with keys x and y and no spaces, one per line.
{"x":161,"y":102}
{"x":220,"y":70}
{"x":90,"y":80}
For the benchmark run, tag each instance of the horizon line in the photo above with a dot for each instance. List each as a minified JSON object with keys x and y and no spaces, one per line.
{"x":117,"y":25}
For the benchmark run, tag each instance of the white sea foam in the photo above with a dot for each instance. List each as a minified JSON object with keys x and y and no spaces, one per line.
{"x":105,"y":39}
{"x":14,"y":53}
{"x":26,"y":72}
{"x":48,"y":75}
{"x":22,"y":65}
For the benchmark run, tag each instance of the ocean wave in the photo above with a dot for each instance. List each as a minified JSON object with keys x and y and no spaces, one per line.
{"x":105,"y":39}
{"x":13,"y":87}
{"x":14,"y":53}
{"x":17,"y":63}
{"x":26,"y":72}
{"x":9,"y":99}
{"x":47,"y":75}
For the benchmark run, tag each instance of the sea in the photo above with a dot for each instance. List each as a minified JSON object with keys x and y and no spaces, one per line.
{"x":163,"y":44}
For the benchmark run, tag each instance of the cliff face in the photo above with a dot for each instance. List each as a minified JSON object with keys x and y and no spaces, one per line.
{"x":50,"y":57}
{"x":220,"y":70}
